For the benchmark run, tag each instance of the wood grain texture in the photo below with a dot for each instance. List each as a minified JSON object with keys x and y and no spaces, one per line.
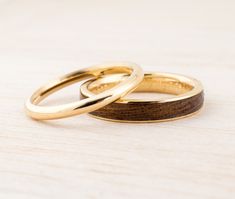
{"x":145,"y":111}
{"x":85,"y":158}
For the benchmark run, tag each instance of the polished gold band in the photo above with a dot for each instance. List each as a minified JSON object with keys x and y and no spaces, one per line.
{"x":188,"y":98}
{"x":134,"y":77}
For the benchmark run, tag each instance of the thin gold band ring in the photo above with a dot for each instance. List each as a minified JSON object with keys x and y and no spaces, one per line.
{"x":134,"y":77}
{"x":188,"y":98}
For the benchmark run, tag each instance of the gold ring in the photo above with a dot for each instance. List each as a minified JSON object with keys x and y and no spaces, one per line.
{"x":134,"y":77}
{"x":188,"y":98}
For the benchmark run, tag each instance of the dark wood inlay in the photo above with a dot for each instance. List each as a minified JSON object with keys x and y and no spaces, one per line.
{"x":145,"y":111}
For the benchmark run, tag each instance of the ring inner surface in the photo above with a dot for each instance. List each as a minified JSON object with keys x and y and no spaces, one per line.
{"x":151,"y":83}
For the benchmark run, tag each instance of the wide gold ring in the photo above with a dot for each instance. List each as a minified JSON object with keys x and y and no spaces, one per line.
{"x":187,"y":98}
{"x":134,"y":77}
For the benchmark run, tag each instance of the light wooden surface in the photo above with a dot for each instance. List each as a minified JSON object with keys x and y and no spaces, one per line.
{"x":86,"y":158}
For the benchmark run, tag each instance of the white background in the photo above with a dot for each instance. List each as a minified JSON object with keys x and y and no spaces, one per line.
{"x":82,"y":157}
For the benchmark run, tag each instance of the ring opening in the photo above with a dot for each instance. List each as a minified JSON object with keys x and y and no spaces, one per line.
{"x":157,"y":83}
